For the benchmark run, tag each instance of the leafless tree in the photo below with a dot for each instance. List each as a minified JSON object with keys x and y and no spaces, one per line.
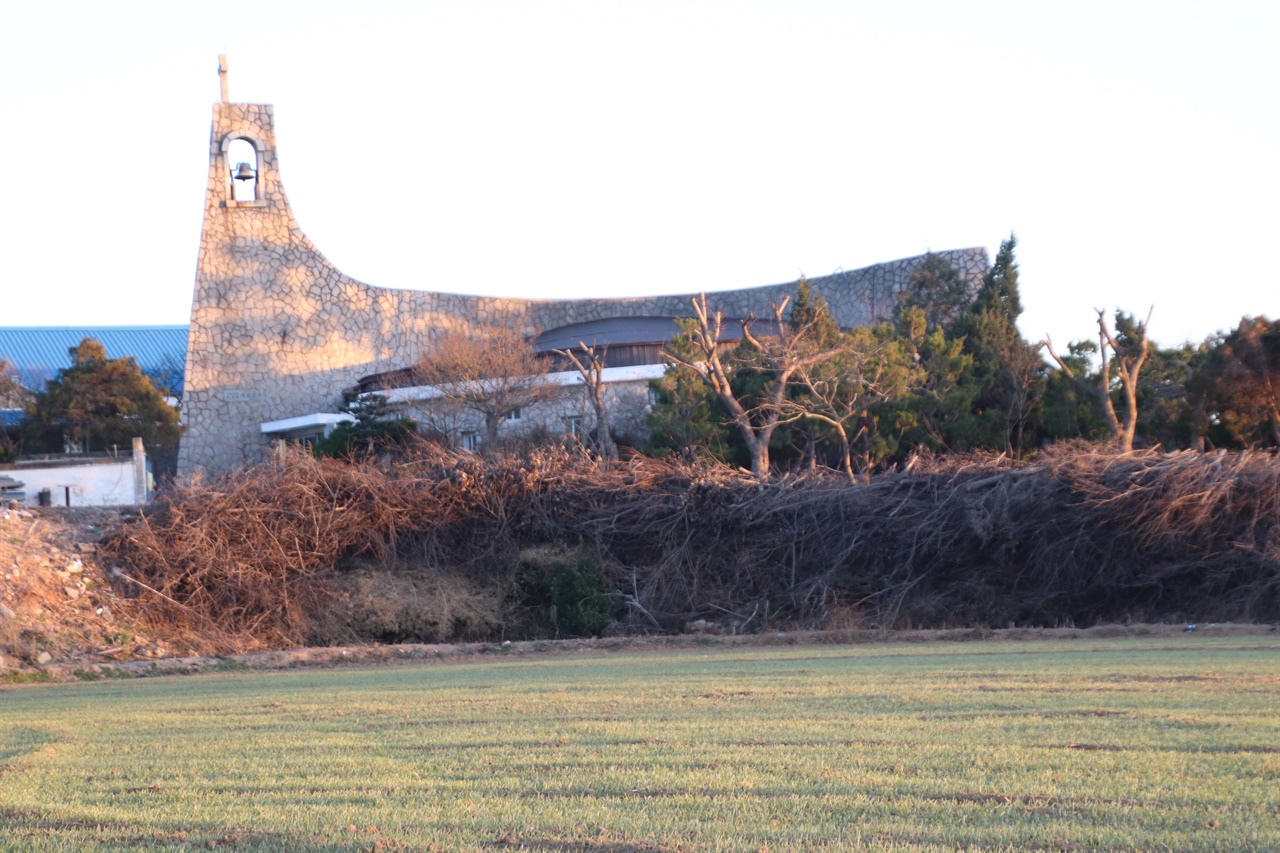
{"x":839,"y":390}
{"x":1122,"y":354}
{"x":491,"y":371}
{"x":590,"y":367}
{"x":776,"y":358}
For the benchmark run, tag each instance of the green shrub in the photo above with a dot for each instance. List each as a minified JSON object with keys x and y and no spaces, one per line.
{"x":376,"y":429}
{"x":560,"y":594}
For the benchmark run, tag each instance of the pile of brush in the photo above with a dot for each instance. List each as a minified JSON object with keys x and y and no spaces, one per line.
{"x":1076,"y":535}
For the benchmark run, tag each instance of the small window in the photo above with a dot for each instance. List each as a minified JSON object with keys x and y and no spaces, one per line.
{"x":515,"y":415}
{"x":574,"y":426}
{"x":470,"y":441}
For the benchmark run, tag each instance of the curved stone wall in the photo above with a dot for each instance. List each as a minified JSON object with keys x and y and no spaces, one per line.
{"x":277,"y":331}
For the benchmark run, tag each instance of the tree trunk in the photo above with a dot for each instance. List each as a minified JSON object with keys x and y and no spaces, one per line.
{"x":1128,"y":363}
{"x":592,"y":372}
{"x":604,"y":441}
{"x":760,"y":457}
{"x":846,"y":458}
{"x":491,"y":434}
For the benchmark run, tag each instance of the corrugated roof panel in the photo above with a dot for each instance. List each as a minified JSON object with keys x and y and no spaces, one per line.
{"x":37,"y":353}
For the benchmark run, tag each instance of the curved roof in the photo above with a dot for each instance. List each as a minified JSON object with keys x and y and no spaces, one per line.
{"x":632,"y":331}
{"x":614,"y":331}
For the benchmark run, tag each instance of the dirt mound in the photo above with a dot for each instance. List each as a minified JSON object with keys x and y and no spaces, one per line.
{"x":57,"y":605}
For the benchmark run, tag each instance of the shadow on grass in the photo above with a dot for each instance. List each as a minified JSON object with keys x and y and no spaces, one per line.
{"x":18,"y":823}
{"x":19,"y":743}
{"x":552,"y":845}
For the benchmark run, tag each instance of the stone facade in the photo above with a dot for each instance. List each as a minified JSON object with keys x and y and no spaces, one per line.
{"x":278,"y":331}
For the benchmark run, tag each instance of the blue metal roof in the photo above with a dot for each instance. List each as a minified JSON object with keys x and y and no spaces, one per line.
{"x":37,"y":353}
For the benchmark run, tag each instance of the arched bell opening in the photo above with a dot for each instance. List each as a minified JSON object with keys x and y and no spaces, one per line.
{"x":244,"y":165}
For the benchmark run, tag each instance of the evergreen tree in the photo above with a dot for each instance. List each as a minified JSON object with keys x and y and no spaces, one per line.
{"x":377,"y":428}
{"x":811,"y":309}
{"x":96,"y":404}
{"x":1167,"y":414}
{"x":1007,"y":372}
{"x":687,"y":418}
{"x":926,"y":419}
{"x":1067,"y":411}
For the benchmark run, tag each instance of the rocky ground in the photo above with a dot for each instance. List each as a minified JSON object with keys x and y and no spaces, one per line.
{"x":57,"y":605}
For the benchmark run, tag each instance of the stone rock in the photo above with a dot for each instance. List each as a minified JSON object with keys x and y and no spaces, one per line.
{"x":43,"y":658}
{"x":72,"y":592}
{"x":6,"y":613}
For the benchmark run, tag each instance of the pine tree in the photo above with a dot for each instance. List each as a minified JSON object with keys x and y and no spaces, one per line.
{"x":98,"y":403}
{"x":1007,"y":371}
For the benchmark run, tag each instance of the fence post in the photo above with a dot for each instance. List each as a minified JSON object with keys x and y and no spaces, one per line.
{"x":139,"y":472}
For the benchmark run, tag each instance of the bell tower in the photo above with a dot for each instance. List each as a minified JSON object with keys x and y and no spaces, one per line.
{"x":259,"y":285}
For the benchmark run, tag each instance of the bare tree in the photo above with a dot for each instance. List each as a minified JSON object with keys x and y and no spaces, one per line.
{"x":776,"y":359}
{"x":591,"y":368}
{"x":490,"y":371}
{"x":839,"y":390}
{"x":1126,"y":352}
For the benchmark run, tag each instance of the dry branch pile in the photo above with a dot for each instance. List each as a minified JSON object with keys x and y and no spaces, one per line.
{"x":1075,"y":536}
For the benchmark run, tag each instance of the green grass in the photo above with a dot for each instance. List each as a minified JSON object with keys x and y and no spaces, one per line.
{"x":1143,"y":744}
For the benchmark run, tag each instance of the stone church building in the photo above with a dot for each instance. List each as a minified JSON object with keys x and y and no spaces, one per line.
{"x":277,"y":332}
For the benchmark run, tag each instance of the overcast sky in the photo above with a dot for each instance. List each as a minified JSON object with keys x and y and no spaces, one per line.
{"x":605,"y":149}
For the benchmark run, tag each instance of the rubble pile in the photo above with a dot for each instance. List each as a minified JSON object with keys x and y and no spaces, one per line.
{"x":57,"y":603}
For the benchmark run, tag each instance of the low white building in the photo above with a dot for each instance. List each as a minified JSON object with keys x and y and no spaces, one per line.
{"x":630,"y":348}
{"x":118,"y":479}
{"x":568,"y":412}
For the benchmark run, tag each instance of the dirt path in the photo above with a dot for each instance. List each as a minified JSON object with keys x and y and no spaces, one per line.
{"x":381,"y":655}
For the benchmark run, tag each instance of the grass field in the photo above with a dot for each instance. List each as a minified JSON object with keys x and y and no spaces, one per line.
{"x":1142,"y":744}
